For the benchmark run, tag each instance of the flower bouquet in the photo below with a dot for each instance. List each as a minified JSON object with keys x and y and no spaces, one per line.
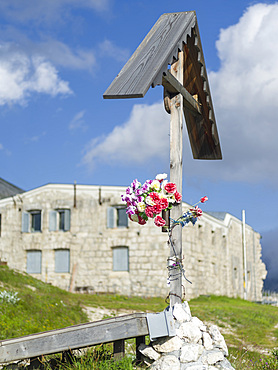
{"x":154,"y":196}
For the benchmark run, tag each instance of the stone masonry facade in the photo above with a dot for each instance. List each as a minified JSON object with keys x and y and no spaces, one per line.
{"x":75,"y":237}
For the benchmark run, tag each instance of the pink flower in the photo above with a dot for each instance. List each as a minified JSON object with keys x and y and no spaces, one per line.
{"x":164,"y":203}
{"x":149,"y":211}
{"x":204,"y":199}
{"x":197,"y":212}
{"x":170,"y":187}
{"x":158,"y":221}
{"x":178,"y":196}
{"x":155,"y":197}
{"x":157,"y":208}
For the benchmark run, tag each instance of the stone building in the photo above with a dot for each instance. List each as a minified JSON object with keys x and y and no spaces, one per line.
{"x":78,"y":237}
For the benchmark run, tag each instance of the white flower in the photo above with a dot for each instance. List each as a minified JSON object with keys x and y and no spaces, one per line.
{"x":171,"y":198}
{"x":161,"y":176}
{"x":141,"y":206}
{"x":155,"y":185}
{"x":164,"y":182}
{"x":149,"y":201}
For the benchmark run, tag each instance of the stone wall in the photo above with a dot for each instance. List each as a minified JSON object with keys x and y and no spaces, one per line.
{"x":212,"y":248}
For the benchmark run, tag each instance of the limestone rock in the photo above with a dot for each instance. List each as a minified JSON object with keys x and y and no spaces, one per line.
{"x":197,"y":322}
{"x":147,"y":361}
{"x":212,"y":357}
{"x":148,"y":352}
{"x":207,"y":341}
{"x":194,"y":347}
{"x":218,"y":339}
{"x":168,"y":344}
{"x":190,"y":352}
{"x":179,"y":332}
{"x":181,"y":312}
{"x":224,"y":365}
{"x":166,"y":363}
{"x":194,"y":366}
{"x":191,"y":332}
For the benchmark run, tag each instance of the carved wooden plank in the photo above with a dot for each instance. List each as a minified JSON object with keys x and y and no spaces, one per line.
{"x":151,"y":59}
{"x":202,"y":130}
{"x":73,"y":337}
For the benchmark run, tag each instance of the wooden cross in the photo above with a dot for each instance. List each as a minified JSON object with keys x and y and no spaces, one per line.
{"x":174,"y":40}
{"x":174,"y":105}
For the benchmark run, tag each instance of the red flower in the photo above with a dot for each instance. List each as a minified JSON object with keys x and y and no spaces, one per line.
{"x":197,"y":212}
{"x":164,"y":203}
{"x":157,"y":208}
{"x":204,"y":199}
{"x":149,"y":211}
{"x":154,"y":197}
{"x":170,"y":187}
{"x":178,"y":196}
{"x":141,"y":221}
{"x":159,"y":221}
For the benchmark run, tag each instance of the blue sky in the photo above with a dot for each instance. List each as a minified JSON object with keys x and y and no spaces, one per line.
{"x":57,"y":58}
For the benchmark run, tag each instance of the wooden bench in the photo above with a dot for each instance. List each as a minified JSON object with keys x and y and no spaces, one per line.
{"x":115,"y":330}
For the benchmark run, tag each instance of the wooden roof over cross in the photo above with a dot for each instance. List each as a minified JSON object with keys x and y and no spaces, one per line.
{"x":149,"y":66}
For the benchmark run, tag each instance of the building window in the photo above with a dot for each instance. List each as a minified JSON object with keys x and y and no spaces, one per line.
{"x":35,"y":221}
{"x":62,"y":260}
{"x":31,"y":221}
{"x":117,"y":217}
{"x":34,"y":262}
{"x":120,"y":259}
{"x":59,"y":219}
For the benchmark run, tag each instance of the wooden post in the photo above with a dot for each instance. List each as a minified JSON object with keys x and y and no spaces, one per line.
{"x":176,"y":107}
{"x":138,"y":341}
{"x":119,"y":349}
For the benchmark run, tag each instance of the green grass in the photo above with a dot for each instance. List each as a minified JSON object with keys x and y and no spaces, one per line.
{"x":248,"y":328}
{"x":244,"y":323}
{"x":41,"y":306}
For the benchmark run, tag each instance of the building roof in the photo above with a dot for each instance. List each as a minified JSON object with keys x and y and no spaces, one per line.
{"x":219,"y":215}
{"x":7,"y":189}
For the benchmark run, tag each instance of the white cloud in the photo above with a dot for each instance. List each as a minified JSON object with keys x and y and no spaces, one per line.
{"x":107,"y":48}
{"x":21,"y":75}
{"x":61,"y":54}
{"x":35,"y":138}
{"x":78,"y":122}
{"x":47,"y":11}
{"x":143,"y":137}
{"x":245,"y":94}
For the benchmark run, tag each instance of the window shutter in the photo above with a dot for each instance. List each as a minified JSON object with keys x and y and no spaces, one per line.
{"x":120,"y":259}
{"x":25,"y":222}
{"x":67,"y":220}
{"x":111,"y":219}
{"x":62,"y":260}
{"x":34,"y":262}
{"x":52,"y":221}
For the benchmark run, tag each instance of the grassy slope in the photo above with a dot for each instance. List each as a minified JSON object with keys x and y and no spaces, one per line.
{"x":44,"y":307}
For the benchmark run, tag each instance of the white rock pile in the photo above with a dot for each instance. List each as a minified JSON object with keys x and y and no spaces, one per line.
{"x":195,"y":346}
